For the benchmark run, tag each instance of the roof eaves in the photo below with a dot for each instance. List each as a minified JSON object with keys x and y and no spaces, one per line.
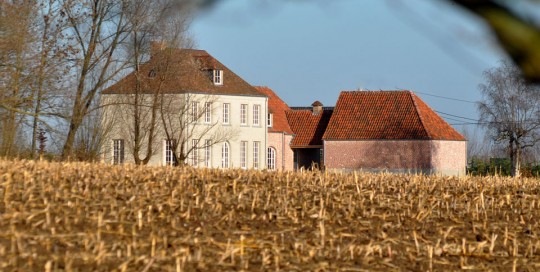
{"x":280,"y":132}
{"x":307,"y":146}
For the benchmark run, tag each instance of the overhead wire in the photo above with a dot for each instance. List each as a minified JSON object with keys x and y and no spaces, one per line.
{"x":453,"y":116}
{"x":449,"y":98}
{"x":457,"y":116}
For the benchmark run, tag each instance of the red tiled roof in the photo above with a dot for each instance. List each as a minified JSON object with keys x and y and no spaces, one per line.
{"x":387,"y":115}
{"x":181,"y":71}
{"x":277,"y":107}
{"x":308,"y":127}
{"x":436,"y":127}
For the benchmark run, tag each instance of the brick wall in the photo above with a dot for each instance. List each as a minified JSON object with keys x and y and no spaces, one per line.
{"x":288,"y":154}
{"x":444,"y":157}
{"x":284,"y":154}
{"x":449,"y":157}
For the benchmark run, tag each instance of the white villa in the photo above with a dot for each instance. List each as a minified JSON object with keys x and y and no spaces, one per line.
{"x":184,"y":103}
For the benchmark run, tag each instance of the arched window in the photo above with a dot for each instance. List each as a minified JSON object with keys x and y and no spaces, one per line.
{"x":271,"y":158}
{"x":225,"y":155}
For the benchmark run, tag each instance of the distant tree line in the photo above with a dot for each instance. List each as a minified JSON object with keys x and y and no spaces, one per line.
{"x":501,"y":167}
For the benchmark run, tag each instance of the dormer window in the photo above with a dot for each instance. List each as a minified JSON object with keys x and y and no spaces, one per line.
{"x":152,"y":73}
{"x":218,"y":77}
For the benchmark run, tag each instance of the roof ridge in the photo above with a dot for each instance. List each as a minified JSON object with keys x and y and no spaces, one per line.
{"x":419,"y":115}
{"x":375,"y":91}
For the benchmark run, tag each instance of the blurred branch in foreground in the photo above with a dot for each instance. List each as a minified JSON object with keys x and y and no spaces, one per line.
{"x":519,"y":37}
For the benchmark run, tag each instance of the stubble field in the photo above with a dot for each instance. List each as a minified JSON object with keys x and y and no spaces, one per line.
{"x":95,"y":217}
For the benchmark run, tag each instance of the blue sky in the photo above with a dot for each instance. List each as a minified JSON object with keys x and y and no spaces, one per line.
{"x":311,"y":50}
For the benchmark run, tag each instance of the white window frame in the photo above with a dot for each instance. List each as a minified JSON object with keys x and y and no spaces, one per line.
{"x":168,"y":153}
{"x":225,"y":155}
{"x":270,"y":121}
{"x":243,"y":154}
{"x":208,"y":112}
{"x":244,"y":114}
{"x":194,"y":111}
{"x":226,"y":113}
{"x":118,"y":151}
{"x":257,"y":115}
{"x":195,"y":152}
{"x":271,"y":158}
{"x":217,"y":77}
{"x":207,"y":152}
{"x":256,"y":152}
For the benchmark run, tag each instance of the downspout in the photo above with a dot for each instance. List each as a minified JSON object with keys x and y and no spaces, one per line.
{"x":282,"y":151}
{"x":466,"y":162}
{"x":323,"y":159}
{"x":186,"y":119}
{"x":265,"y":126}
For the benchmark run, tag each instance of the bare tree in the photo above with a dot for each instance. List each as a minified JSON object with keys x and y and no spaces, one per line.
{"x":510,"y":110}
{"x":31,"y":61}
{"x":15,"y":64}
{"x":98,"y":27}
{"x":50,"y":66}
{"x":150,"y":106}
{"x":478,"y":145}
{"x":152,"y":25}
{"x":149,"y":111}
{"x":91,"y":137}
{"x":189,"y":126}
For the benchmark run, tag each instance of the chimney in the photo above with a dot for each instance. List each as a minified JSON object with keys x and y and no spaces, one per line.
{"x":317,"y":107}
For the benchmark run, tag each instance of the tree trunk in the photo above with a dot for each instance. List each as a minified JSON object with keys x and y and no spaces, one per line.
{"x":83,"y":99}
{"x":9,"y":130}
{"x":515,"y":158}
{"x":41,"y":78}
{"x":35,"y":127}
{"x":74,"y":125}
{"x":516,"y":165}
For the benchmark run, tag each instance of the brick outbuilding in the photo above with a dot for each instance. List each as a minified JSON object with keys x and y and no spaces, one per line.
{"x":392,"y":131}
{"x":309,"y":125}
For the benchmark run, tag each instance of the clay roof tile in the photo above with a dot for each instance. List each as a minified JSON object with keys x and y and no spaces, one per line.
{"x":182,"y":71}
{"x":389,"y":115}
{"x":277,"y":107}
{"x":308,"y":127}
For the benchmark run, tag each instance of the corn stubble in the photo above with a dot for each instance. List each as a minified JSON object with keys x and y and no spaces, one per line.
{"x":80,"y":217}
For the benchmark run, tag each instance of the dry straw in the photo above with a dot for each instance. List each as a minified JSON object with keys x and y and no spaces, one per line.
{"x":95,"y":217}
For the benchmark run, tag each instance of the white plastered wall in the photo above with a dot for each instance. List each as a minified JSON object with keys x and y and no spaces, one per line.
{"x":119,"y":119}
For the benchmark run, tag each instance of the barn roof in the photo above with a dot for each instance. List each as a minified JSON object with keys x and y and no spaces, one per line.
{"x":386,"y":115}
